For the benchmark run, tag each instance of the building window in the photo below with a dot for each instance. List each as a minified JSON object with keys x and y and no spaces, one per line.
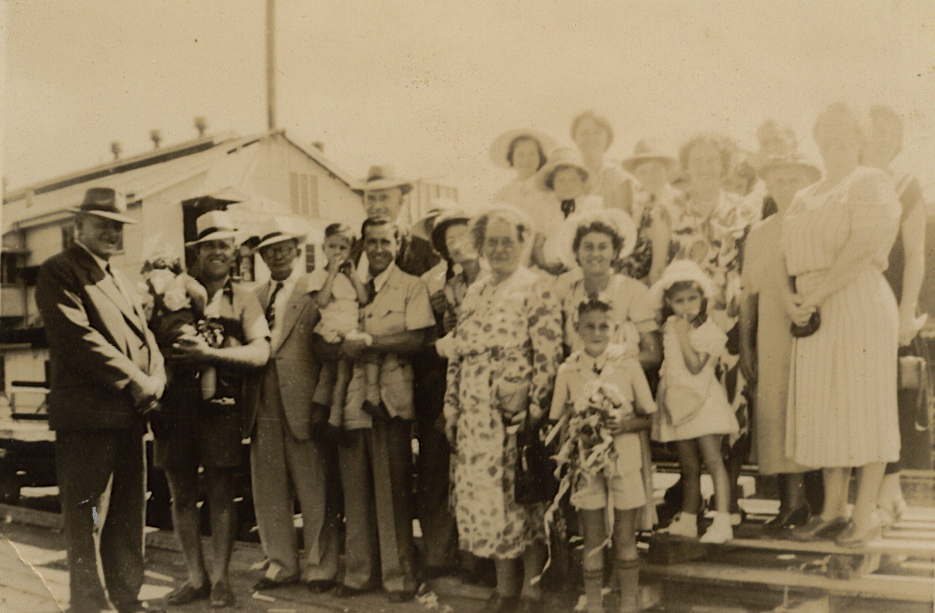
{"x":312,"y":196}
{"x":303,"y":193}
{"x":8,"y":269}
{"x":294,"y":190}
{"x":244,"y":269}
{"x":309,"y":258}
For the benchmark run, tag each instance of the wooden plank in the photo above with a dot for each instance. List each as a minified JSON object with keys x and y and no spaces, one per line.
{"x":914,"y":589}
{"x":32,"y":517}
{"x":667,"y":549}
{"x":917,"y":549}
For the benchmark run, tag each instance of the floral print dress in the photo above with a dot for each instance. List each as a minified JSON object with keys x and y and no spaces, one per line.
{"x":508,"y":344}
{"x":715,"y":243}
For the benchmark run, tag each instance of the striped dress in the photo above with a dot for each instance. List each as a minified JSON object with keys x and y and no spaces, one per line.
{"x":842,"y":387}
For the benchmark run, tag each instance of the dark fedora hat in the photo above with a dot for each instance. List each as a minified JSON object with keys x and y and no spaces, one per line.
{"x":104,"y":202}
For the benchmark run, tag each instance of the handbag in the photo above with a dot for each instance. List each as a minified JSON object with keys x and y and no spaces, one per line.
{"x":814,"y":322}
{"x":535,"y":480}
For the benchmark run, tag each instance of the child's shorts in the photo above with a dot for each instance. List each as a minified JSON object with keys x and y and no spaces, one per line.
{"x":626,"y":491}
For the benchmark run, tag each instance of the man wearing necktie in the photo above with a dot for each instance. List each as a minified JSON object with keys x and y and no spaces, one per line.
{"x":106,"y":369}
{"x":208,"y":432}
{"x":286,"y":461}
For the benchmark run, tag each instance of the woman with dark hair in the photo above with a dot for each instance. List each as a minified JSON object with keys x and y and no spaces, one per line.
{"x":452,"y":239}
{"x":564,"y":179}
{"x":842,"y":413}
{"x":593,"y":242}
{"x":593,"y":135}
{"x":506,"y":351}
{"x":904,"y":273}
{"x":709,"y":230}
{"x":525,"y":151}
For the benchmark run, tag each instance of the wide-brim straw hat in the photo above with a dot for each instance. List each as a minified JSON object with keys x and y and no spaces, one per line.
{"x":442,"y":222}
{"x":104,"y":202}
{"x":276,"y":230}
{"x":561,"y":156}
{"x":213,"y":226}
{"x":646,"y":150}
{"x":510,"y":212}
{"x":793,"y":160}
{"x":680,"y":270}
{"x":501,"y":145}
{"x":383,"y":176}
{"x":616,"y":219}
{"x":438,"y":206}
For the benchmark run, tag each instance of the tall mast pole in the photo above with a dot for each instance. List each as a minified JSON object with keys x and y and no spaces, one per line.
{"x":270,"y":64}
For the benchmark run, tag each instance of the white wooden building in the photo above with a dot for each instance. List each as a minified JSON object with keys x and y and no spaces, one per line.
{"x":165,"y":190}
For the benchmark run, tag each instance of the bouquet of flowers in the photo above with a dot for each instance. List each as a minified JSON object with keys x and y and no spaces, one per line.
{"x":173,"y":300}
{"x":174,"y":303}
{"x":588,"y":447}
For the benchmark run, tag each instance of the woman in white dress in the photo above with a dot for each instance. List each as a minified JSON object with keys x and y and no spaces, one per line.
{"x":835,"y":241}
{"x":524,"y":151}
{"x":593,"y":136}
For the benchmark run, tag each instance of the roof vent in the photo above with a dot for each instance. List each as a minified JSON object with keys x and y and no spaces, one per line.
{"x":116,"y":149}
{"x":201,"y":124}
{"x":156,"y":137}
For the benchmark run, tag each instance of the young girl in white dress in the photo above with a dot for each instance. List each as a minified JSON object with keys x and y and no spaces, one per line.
{"x":694,"y":410}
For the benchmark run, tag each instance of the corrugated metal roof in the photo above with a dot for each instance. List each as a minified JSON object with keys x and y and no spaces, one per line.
{"x":221,"y":159}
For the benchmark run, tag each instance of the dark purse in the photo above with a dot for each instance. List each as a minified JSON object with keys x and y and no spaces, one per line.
{"x":535,"y":478}
{"x":814,"y":322}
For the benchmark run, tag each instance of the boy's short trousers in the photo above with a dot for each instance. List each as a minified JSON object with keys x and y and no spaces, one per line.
{"x":626,"y":492}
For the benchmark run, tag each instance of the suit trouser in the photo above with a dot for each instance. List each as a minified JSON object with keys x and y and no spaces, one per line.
{"x":285,"y":468}
{"x":439,"y":530}
{"x":101,"y":477}
{"x":376,"y":472}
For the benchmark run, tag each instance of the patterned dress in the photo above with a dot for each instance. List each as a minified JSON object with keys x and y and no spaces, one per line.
{"x":508,"y":344}
{"x":842,"y":390}
{"x":645,"y":206}
{"x":715,"y":243}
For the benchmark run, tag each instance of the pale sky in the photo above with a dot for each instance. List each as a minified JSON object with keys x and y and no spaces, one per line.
{"x":427,"y":85}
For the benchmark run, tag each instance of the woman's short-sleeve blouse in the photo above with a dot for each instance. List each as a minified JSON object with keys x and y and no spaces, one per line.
{"x":862,"y":207}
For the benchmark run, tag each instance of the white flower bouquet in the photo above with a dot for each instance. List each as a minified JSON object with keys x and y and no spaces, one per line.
{"x":174,"y":303}
{"x":588,"y":447}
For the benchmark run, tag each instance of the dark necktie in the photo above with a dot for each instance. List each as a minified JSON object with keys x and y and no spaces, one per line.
{"x":120,"y":288}
{"x":568,"y":207}
{"x":270,"y":311}
{"x":371,"y":289}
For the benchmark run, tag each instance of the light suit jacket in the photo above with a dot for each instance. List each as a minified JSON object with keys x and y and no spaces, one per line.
{"x":292,"y":364}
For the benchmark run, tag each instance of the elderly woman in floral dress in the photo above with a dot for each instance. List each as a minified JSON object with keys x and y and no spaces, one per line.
{"x":506,"y":351}
{"x":709,"y":230}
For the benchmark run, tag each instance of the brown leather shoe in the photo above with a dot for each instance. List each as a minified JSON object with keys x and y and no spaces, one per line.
{"x":187,"y":593}
{"x":320,"y":586}
{"x":265,"y":583}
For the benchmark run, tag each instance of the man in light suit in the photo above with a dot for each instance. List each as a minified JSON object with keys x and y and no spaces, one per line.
{"x":106,"y":369}
{"x":285,"y":460}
